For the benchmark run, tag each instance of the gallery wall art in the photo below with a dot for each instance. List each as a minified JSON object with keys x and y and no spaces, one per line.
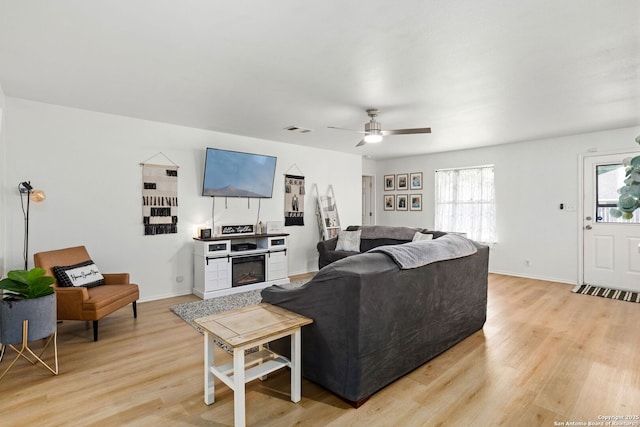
{"x":405,"y":182}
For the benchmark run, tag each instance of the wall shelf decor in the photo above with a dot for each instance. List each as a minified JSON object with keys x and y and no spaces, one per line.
{"x":159,"y":197}
{"x":294,"y":192}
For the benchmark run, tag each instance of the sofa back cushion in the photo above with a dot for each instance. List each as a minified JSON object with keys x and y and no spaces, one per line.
{"x":367,"y":244}
{"x":349,"y":241}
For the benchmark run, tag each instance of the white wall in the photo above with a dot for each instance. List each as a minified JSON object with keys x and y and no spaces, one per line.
{"x":2,"y":181}
{"x":532,"y":179}
{"x":368,"y":166}
{"x":88,"y":165}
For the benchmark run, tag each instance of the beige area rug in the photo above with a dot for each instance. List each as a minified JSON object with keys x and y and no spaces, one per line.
{"x":194,"y":310}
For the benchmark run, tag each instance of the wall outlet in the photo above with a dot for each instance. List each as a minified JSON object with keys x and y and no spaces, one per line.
{"x":527,"y":262}
{"x":179,"y":279}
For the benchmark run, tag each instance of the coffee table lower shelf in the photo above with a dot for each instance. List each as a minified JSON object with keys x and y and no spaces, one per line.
{"x":265,"y":362}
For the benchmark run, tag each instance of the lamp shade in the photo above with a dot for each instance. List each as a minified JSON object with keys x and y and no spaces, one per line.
{"x":37,"y":196}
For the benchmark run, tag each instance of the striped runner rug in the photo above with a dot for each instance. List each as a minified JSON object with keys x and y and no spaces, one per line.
{"x":607,"y":293}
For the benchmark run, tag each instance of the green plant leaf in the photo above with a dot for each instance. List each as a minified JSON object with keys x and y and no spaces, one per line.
{"x":40,"y":291}
{"x":34,"y":274}
{"x":21,"y":276}
{"x":13,"y":286}
{"x":43,"y":281}
{"x":28,"y":284}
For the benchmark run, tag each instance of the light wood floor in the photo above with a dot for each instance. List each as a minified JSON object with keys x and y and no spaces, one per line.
{"x":545,"y":356}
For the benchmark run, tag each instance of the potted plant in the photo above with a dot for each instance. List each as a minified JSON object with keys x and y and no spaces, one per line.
{"x":629,"y":199}
{"x":27,"y":295}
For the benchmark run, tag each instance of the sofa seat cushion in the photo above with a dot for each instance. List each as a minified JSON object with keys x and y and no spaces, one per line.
{"x":107,"y":298}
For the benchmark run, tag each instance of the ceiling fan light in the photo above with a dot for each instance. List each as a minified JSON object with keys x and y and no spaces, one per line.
{"x":373,"y":137}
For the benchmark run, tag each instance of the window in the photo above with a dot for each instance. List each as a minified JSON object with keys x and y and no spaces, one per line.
{"x":465,"y":202}
{"x":609,"y":179}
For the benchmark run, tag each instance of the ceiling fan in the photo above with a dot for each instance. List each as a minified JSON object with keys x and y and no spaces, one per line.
{"x":373,"y":132}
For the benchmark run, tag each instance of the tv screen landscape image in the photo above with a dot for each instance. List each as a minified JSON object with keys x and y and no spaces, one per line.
{"x":236,"y":174}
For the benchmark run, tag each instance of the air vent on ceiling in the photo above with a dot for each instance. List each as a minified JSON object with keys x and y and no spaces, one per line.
{"x":297,"y":129}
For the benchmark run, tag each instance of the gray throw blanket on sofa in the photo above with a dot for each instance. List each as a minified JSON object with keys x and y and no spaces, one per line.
{"x":417,"y":254}
{"x":387,"y":232}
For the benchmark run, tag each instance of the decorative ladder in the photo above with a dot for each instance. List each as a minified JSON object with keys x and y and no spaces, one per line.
{"x":327,"y":214}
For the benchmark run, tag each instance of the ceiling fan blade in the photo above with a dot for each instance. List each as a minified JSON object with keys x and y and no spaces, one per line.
{"x":406,"y":131}
{"x":350,"y":130}
{"x":361,"y":143}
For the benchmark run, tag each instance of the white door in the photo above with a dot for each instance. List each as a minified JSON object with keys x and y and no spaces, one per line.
{"x":611,"y":246}
{"x":367,"y":200}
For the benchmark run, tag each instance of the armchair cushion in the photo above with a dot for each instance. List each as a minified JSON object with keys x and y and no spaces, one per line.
{"x":84,"y":274}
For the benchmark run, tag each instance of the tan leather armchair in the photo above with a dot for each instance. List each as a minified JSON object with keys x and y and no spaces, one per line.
{"x":79,"y":303}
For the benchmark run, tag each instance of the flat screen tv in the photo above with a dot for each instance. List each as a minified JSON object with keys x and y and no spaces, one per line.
{"x":236,"y":174}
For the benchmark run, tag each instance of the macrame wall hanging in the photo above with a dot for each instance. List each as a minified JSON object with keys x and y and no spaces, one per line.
{"x":159,"y":197}
{"x":294,"y":198}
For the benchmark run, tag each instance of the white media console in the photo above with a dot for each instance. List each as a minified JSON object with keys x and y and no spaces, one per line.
{"x":226,"y":265}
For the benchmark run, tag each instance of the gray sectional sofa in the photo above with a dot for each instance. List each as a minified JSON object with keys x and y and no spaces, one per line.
{"x":374,"y":321}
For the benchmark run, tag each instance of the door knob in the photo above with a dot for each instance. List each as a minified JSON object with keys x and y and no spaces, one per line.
{"x":588,"y":227}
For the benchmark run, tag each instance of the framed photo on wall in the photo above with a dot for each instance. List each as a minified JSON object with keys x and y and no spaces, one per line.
{"x":389,"y":202}
{"x":415,"y":180}
{"x":416,"y":202}
{"x":402,"y":203}
{"x":402,"y":183}
{"x":389,"y":182}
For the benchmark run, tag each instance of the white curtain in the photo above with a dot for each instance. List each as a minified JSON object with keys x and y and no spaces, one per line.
{"x":465,"y":202}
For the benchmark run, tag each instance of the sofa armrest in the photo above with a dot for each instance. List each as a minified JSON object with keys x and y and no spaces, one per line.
{"x":327,"y":245}
{"x":326,"y":249}
{"x":116,"y":278}
{"x":69,"y":302}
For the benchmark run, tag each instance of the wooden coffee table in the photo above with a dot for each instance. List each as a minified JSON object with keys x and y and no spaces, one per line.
{"x":245,"y":328}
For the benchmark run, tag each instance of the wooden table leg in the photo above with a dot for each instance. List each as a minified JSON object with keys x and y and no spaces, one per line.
{"x":209,"y":389}
{"x":296,"y":365}
{"x":260,"y":348}
{"x":238,"y":388}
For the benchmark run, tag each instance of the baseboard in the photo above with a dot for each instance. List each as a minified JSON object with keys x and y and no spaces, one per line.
{"x":530,"y":276}
{"x":159,"y":297}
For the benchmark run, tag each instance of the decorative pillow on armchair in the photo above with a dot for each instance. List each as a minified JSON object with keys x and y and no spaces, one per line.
{"x":349,"y":241}
{"x":84,"y":274}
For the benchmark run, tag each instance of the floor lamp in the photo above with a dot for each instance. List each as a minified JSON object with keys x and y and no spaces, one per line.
{"x":35,"y":196}
{"x":32,"y":196}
